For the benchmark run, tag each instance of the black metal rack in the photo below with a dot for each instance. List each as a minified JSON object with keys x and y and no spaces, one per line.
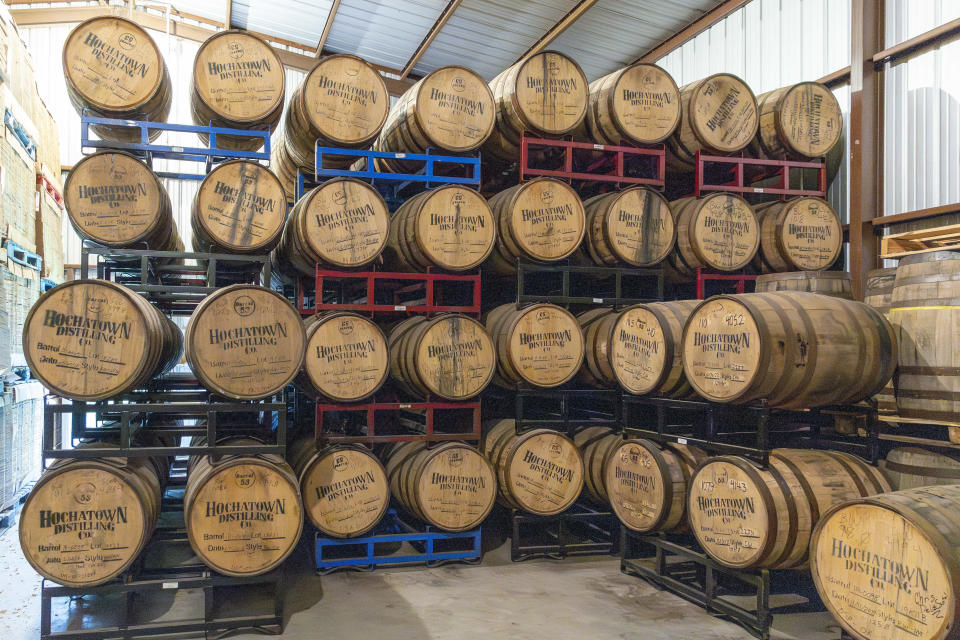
{"x":562,"y":409}
{"x":580,"y":530}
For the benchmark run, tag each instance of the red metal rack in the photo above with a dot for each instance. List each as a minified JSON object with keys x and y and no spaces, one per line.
{"x":593,"y":162}
{"x":747,"y":171}
{"x":375,"y":428}
{"x":740,"y":281}
{"x":376,"y":286}
{"x":43,"y":184}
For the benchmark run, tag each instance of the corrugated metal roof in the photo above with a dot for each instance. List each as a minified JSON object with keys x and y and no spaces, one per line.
{"x":298,"y":20}
{"x":614,"y":33}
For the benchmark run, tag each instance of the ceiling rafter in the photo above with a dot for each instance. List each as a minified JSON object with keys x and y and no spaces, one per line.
{"x":695,"y":28}
{"x":431,"y":35}
{"x":228,"y":14}
{"x":565,"y":23}
{"x":326,"y":27}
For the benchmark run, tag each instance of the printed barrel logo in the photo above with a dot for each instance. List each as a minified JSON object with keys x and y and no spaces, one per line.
{"x":128,"y":41}
{"x":244,"y":306}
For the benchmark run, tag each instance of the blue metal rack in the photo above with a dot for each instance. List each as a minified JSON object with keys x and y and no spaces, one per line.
{"x":25,"y":139}
{"x":432,"y":547}
{"x":27,"y":258}
{"x":208,"y":154}
{"x":390,"y":184}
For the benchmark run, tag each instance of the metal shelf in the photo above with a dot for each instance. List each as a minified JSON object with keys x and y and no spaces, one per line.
{"x":561,"y":409}
{"x":380,"y":422}
{"x":741,"y":173}
{"x":580,"y":530}
{"x":619,"y":165}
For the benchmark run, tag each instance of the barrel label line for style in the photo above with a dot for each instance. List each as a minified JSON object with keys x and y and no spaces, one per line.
{"x":120,"y":68}
{"x":726,"y":233}
{"x":240,"y":207}
{"x":346,"y":357}
{"x":720,"y":354}
{"x":726,"y":514}
{"x":639,"y":104}
{"x":638,"y":349}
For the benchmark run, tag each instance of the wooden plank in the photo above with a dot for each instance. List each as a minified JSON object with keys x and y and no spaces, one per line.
{"x":327,"y":26}
{"x":919,"y":214}
{"x":897,"y":245}
{"x":428,"y":39}
{"x":919,"y":43}
{"x":838,"y":77}
{"x":692,"y":30}
{"x":572,"y":16}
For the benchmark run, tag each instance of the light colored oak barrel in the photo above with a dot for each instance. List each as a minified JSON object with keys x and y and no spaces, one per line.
{"x":238,"y":83}
{"x":542,"y":220}
{"x":798,"y":122}
{"x":596,"y":445}
{"x":450,"y":228}
{"x":540,"y":472}
{"x":540,"y":344}
{"x":888,"y":566}
{"x":913,"y":467}
{"x":825,"y":283}
{"x":94,"y":339}
{"x":346,"y":360}
{"x":647,"y":484}
{"x":342,"y":102}
{"x":114,"y":69}
{"x":344,"y":487}
{"x":745,"y":516}
{"x":245,"y":342}
{"x":716,"y":232}
{"x":342,"y":224}
{"x":450,"y":486}
{"x":638,"y":104}
{"x":86,"y":521}
{"x":925,"y":311}
{"x":801,"y":234}
{"x":449,"y":356}
{"x":719,"y":117}
{"x":239,"y":208}
{"x":115,"y":200}
{"x":633,"y":227}
{"x":243,"y":513}
{"x":637,"y":349}
{"x":878,"y":293}
{"x":795,"y":350}
{"x":450,"y":109}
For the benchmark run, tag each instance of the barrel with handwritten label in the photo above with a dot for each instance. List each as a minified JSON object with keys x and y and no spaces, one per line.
{"x":720,"y":117}
{"x":794,"y":350}
{"x":540,"y":345}
{"x":449,"y":486}
{"x":94,"y":339}
{"x":539,"y":471}
{"x":245,"y":342}
{"x":114,"y":69}
{"x":716,"y":232}
{"x":86,"y":521}
{"x":798,"y":122}
{"x":449,"y":356}
{"x":347,"y":359}
{"x":749,"y":517}
{"x":115,"y":200}
{"x":344,"y":487}
{"x":888,"y":566}
{"x":801,"y":234}
{"x":632,"y":227}
{"x":243,"y":513}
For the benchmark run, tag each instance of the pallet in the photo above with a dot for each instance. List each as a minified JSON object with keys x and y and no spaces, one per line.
{"x":898,"y":245}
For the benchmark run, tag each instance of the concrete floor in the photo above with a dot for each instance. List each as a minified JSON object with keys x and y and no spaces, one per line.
{"x":584,"y":598}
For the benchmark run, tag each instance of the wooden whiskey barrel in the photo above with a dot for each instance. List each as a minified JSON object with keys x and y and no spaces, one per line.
{"x":745,"y":516}
{"x":86,"y":521}
{"x":239,"y":208}
{"x":115,"y":200}
{"x":450,"y":228}
{"x":647,"y":484}
{"x":795,"y":350}
{"x":114,"y":69}
{"x":237,"y":83}
{"x":826,"y":283}
{"x":913,"y":467}
{"x":449,"y":109}
{"x":342,"y":102}
{"x":448,"y":356}
{"x":343,"y":224}
{"x":633,"y":227}
{"x":344,"y":487}
{"x":540,"y":344}
{"x":243,"y":513}
{"x":637,"y":349}
{"x":718,"y":231}
{"x":878,"y":293}
{"x":450,"y":486}
{"x":888,"y":566}
{"x":801,"y":234}
{"x":596,"y":445}
{"x":346,"y":360}
{"x":245,"y":342}
{"x":542,"y":220}
{"x":719,"y":117}
{"x":94,"y":339}
{"x":540,"y":472}
{"x":798,"y":122}
{"x":638,"y":104}
{"x":545,"y":94}
{"x":925,"y":311}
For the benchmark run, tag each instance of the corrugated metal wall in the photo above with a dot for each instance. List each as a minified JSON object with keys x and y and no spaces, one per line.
{"x":46,"y":44}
